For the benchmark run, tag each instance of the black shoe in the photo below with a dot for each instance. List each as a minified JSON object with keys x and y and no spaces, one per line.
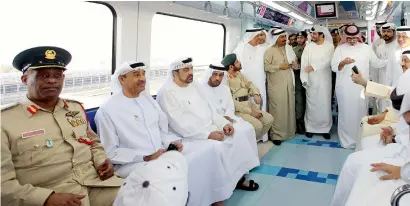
{"x":326,"y":135}
{"x":309,"y":135}
{"x":277,"y":142}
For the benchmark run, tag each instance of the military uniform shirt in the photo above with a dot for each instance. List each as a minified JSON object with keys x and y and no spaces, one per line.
{"x":241,"y":87}
{"x":43,"y":151}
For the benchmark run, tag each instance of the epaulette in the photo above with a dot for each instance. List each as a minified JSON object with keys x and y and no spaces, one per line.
{"x":72,"y":100}
{"x":7,"y":107}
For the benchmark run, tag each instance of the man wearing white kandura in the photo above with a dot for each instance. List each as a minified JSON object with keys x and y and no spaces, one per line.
{"x":134,"y":130}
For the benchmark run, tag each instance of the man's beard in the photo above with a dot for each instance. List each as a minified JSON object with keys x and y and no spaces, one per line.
{"x":387,"y":38}
{"x":216,"y":83}
{"x":188,"y":80}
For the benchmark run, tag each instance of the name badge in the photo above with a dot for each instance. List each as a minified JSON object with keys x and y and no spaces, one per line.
{"x":33,"y":133}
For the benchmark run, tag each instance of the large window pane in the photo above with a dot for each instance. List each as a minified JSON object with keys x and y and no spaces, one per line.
{"x":85,"y":29}
{"x":174,"y":37}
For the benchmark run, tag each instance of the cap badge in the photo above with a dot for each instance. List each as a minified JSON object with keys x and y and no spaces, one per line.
{"x":50,"y":54}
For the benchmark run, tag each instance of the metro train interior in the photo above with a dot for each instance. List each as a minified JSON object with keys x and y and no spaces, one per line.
{"x":101,"y":35}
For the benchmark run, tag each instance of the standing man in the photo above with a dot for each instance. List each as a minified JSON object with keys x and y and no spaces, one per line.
{"x":249,"y":52}
{"x":336,"y":41}
{"x":335,"y":37}
{"x":386,"y":52}
{"x":300,"y":92}
{"x":352,"y":107}
{"x":49,"y":154}
{"x":316,"y":77}
{"x":279,"y":63}
{"x":378,"y":39}
{"x":241,"y":90}
{"x":292,"y":40}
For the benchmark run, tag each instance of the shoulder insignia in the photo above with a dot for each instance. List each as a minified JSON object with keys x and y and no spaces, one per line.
{"x":72,"y":101}
{"x":10,"y":106}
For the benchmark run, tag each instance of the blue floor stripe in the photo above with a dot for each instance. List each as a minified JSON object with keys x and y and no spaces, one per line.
{"x":313,"y":142}
{"x":291,"y":173}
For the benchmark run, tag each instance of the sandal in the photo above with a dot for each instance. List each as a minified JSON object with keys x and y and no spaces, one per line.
{"x":253,"y":186}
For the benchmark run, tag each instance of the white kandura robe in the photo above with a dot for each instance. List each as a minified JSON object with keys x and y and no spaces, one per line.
{"x":221,"y":99}
{"x":131,"y":128}
{"x":251,"y":58}
{"x":350,"y":97}
{"x":318,"y":115}
{"x":400,"y":127}
{"x":192,"y":116}
{"x":386,"y":52}
{"x":351,"y":183}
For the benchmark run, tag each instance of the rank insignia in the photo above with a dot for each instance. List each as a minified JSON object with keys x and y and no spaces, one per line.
{"x":32,"y":109}
{"x":72,"y":113}
{"x":85,"y":140}
{"x":77,"y":121}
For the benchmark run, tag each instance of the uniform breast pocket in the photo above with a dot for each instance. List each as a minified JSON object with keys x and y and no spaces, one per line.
{"x":31,"y":151}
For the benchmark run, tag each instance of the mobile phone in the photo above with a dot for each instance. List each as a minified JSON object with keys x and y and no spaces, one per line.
{"x":355,"y":70}
{"x":172,"y":147}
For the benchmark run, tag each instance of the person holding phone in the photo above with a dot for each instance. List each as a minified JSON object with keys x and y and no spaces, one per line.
{"x":352,"y":106}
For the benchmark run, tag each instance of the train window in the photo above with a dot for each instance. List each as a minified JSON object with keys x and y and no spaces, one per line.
{"x":173,"y":37}
{"x":85,"y":29}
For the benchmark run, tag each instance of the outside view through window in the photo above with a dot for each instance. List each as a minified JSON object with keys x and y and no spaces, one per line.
{"x":83,"y":28}
{"x":174,"y":37}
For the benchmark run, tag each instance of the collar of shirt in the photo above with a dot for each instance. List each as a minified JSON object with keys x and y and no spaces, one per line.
{"x":31,"y":108}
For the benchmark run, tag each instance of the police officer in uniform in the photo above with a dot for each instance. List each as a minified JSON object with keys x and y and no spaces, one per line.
{"x":242,"y":90}
{"x":49,"y":154}
{"x":300,"y":92}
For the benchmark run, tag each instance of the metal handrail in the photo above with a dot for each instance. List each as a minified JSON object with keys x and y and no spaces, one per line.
{"x":398,"y":194}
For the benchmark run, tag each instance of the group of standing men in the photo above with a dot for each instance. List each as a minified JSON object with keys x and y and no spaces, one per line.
{"x":291,"y":78}
{"x":300,"y":82}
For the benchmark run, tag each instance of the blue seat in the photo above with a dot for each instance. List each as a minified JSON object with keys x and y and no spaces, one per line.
{"x":91,"y":114}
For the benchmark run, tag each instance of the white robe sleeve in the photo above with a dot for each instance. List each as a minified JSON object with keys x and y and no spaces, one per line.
{"x":336,"y":59}
{"x":405,"y":169}
{"x":375,"y":62}
{"x":304,"y":76}
{"x":405,"y":172}
{"x":110,"y":141}
{"x":178,"y":120}
{"x":230,"y":110}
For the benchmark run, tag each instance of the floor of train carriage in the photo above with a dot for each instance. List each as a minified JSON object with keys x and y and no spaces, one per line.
{"x":301,"y":171}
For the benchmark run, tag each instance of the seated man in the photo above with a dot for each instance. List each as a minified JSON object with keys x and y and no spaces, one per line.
{"x":157,"y":178}
{"x":133,"y":129}
{"x":376,"y":182}
{"x":353,"y":163}
{"x":192,"y":116}
{"x":218,"y":93}
{"x":386,"y":123}
{"x":49,"y":154}
{"x":241,"y":90}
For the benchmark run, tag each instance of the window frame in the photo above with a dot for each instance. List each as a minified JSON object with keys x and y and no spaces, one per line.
{"x":114,"y":33}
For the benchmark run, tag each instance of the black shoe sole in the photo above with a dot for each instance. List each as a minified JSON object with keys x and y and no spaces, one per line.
{"x":277,"y":142}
